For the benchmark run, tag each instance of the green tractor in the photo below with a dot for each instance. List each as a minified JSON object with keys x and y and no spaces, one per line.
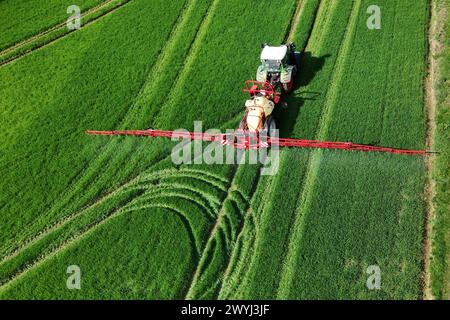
{"x":278,"y":66}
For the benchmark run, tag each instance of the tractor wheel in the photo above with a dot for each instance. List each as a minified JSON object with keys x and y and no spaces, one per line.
{"x":269,"y":127}
{"x":297,"y":59}
{"x":287,"y":87}
{"x":272,"y":127}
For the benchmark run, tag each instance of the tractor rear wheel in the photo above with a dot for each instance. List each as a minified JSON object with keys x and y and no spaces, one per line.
{"x":269,"y":127}
{"x":287,"y":87}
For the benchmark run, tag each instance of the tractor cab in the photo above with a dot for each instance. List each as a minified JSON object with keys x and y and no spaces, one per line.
{"x":274,"y":58}
{"x":278,"y":66}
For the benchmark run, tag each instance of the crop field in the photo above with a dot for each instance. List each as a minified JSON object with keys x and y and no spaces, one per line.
{"x":140,"y":226}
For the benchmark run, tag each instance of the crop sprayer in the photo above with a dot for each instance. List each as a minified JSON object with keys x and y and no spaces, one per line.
{"x":275,"y":77}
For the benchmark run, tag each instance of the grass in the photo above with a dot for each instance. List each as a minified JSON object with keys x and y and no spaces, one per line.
{"x":127,"y":144}
{"x":47,"y":93}
{"x":440,"y":260}
{"x":313,"y":232}
{"x":25,"y":18}
{"x":54,"y":33}
{"x":142,"y":228}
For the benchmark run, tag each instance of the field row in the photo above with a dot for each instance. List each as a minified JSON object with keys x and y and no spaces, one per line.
{"x":309,"y":231}
{"x":113,"y":157}
{"x":342,"y":211}
{"x":54,"y":33}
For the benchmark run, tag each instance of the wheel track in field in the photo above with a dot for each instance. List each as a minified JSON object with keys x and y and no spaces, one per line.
{"x":235,"y":257}
{"x":51,"y":29}
{"x":131,"y":205}
{"x":92,"y":228}
{"x":107,"y":152}
{"x":39,"y":46}
{"x":167,"y":173}
{"x":295,"y":20}
{"x":290,"y":29}
{"x":306,"y":192}
{"x":388,"y":72}
{"x":162,"y":191}
{"x":210,"y":237}
{"x":185,"y":68}
{"x":234,"y":269}
{"x":192,"y":54}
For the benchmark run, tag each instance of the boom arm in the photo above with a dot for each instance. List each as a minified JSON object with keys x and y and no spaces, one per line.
{"x":250,"y":141}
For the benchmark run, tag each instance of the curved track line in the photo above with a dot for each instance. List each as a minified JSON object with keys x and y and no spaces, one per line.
{"x":189,"y":174}
{"x":181,"y":192}
{"x":208,"y":242}
{"x":212,"y":200}
{"x":236,"y":269}
{"x":174,"y":195}
{"x":73,"y":240}
{"x":130,"y":206}
{"x":235,"y":256}
{"x":290,"y":29}
{"x":165,"y":190}
{"x":167,"y":173}
{"x":153,"y":70}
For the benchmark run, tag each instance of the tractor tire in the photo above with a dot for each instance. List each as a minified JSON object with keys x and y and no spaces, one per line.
{"x":297,"y":59}
{"x":272,"y":127}
{"x":269,"y":127}
{"x":287,"y":87}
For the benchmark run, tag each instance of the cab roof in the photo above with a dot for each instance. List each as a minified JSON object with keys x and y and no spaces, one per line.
{"x":274,"y":53}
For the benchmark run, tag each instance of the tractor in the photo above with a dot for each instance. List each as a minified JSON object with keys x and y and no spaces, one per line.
{"x":275,"y":76}
{"x":278,"y":66}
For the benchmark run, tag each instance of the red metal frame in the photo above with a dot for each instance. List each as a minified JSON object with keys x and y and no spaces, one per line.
{"x":253,"y":87}
{"x":245,"y":142}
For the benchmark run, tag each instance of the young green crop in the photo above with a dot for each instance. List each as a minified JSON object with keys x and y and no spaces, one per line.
{"x":200,"y":231}
{"x":339,"y":203}
{"x":25,"y":18}
{"x":54,"y":33}
{"x":399,"y":178}
{"x":118,"y":156}
{"x":47,"y":103}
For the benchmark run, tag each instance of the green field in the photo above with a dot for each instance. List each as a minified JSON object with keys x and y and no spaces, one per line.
{"x":140,"y":226}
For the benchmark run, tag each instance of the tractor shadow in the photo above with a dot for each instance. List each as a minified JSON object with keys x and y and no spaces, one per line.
{"x":308,"y":68}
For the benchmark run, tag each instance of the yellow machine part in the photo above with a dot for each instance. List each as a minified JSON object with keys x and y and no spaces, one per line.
{"x":258,"y":109}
